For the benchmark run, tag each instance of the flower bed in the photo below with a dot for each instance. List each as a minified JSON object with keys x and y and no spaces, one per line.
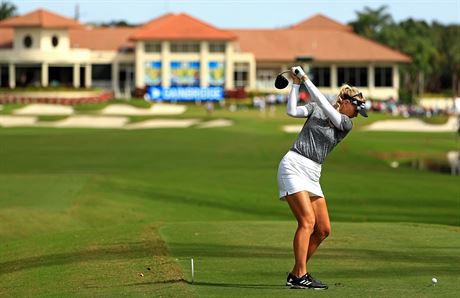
{"x":64,"y":98}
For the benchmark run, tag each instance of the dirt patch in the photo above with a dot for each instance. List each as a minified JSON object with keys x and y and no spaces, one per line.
{"x":139,"y":266}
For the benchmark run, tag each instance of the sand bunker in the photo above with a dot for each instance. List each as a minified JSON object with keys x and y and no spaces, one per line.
{"x":412,"y":125}
{"x":12,"y":121}
{"x":44,"y":109}
{"x":215,"y":123}
{"x":156,"y":109}
{"x":292,"y":128}
{"x":119,"y":122}
{"x":409,"y":125}
{"x":163,"y":123}
{"x":84,"y":121}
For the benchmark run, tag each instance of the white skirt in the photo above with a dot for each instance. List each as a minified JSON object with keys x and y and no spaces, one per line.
{"x":298,"y":173}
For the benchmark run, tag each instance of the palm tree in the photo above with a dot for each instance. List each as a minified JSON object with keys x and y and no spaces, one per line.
{"x":370,"y":22}
{"x":7,"y":10}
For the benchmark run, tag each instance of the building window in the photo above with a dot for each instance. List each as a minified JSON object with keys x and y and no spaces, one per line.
{"x":152,"y":47}
{"x":27,"y":41}
{"x":54,"y":41}
{"x":217,"y":47}
{"x":354,"y":76}
{"x":101,"y":75}
{"x":185,"y":47}
{"x":241,"y":75}
{"x":265,"y":78}
{"x":266,"y":75}
{"x":383,"y":76}
{"x":321,"y":76}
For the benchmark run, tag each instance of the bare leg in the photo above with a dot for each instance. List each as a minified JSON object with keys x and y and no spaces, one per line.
{"x":322,"y":224}
{"x":303,"y":211}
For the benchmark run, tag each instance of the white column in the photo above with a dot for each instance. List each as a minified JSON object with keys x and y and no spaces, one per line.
{"x":306,"y":67}
{"x":12,"y":75}
{"x":139,"y":65}
{"x":165,"y":64}
{"x":76,"y":75}
{"x":88,"y":76}
{"x":229,"y":67}
{"x":115,"y":71}
{"x":370,"y":79}
{"x":396,"y":77}
{"x":44,"y":77}
{"x":334,"y":76}
{"x":204,"y":64}
{"x":252,"y":74}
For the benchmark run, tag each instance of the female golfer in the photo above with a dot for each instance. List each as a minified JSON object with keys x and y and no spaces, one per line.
{"x":300,"y":169}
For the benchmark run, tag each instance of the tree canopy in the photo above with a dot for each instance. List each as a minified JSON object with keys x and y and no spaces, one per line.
{"x":7,"y":10}
{"x":434,"y":49}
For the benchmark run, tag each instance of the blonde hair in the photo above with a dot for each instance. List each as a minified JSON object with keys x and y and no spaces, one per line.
{"x":349,"y":90}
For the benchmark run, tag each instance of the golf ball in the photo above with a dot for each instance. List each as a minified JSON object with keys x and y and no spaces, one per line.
{"x":434,"y":280}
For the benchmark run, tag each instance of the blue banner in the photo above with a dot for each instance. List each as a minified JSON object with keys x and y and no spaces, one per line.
{"x":216,"y":73}
{"x":185,"y":93}
{"x":152,"y":73}
{"x":185,"y":73}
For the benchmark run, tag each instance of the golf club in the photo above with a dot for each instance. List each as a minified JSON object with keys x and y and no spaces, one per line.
{"x":281,"y":82}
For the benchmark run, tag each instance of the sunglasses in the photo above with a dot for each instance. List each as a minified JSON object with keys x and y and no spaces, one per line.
{"x":359,"y":104}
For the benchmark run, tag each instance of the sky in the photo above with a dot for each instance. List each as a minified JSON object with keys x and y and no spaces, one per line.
{"x":244,"y":13}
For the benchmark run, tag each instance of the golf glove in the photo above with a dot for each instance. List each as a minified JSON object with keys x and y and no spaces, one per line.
{"x":298,"y":71}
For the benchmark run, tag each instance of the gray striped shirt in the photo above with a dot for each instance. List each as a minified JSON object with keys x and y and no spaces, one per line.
{"x":318,"y":135}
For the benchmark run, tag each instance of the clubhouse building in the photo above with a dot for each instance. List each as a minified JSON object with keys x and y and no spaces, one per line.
{"x":178,"y":57}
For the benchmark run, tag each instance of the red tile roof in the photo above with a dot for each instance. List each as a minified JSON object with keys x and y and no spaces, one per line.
{"x":180,"y":27}
{"x":318,"y":37}
{"x":320,"y":21}
{"x":40,"y":18}
{"x":102,"y":39}
{"x":6,"y":38}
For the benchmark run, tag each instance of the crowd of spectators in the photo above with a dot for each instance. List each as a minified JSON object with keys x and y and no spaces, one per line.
{"x":389,"y":106}
{"x":395,"y":108}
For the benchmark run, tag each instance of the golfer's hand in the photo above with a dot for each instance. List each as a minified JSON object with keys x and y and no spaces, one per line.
{"x":299,"y":73}
{"x":295,"y":79}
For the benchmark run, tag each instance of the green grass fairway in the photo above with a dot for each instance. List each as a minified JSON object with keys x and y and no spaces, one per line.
{"x":249,"y":259}
{"x":83,"y":212}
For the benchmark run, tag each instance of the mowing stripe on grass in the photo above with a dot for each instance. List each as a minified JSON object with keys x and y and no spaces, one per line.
{"x":250,"y":259}
{"x":105,"y":262}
